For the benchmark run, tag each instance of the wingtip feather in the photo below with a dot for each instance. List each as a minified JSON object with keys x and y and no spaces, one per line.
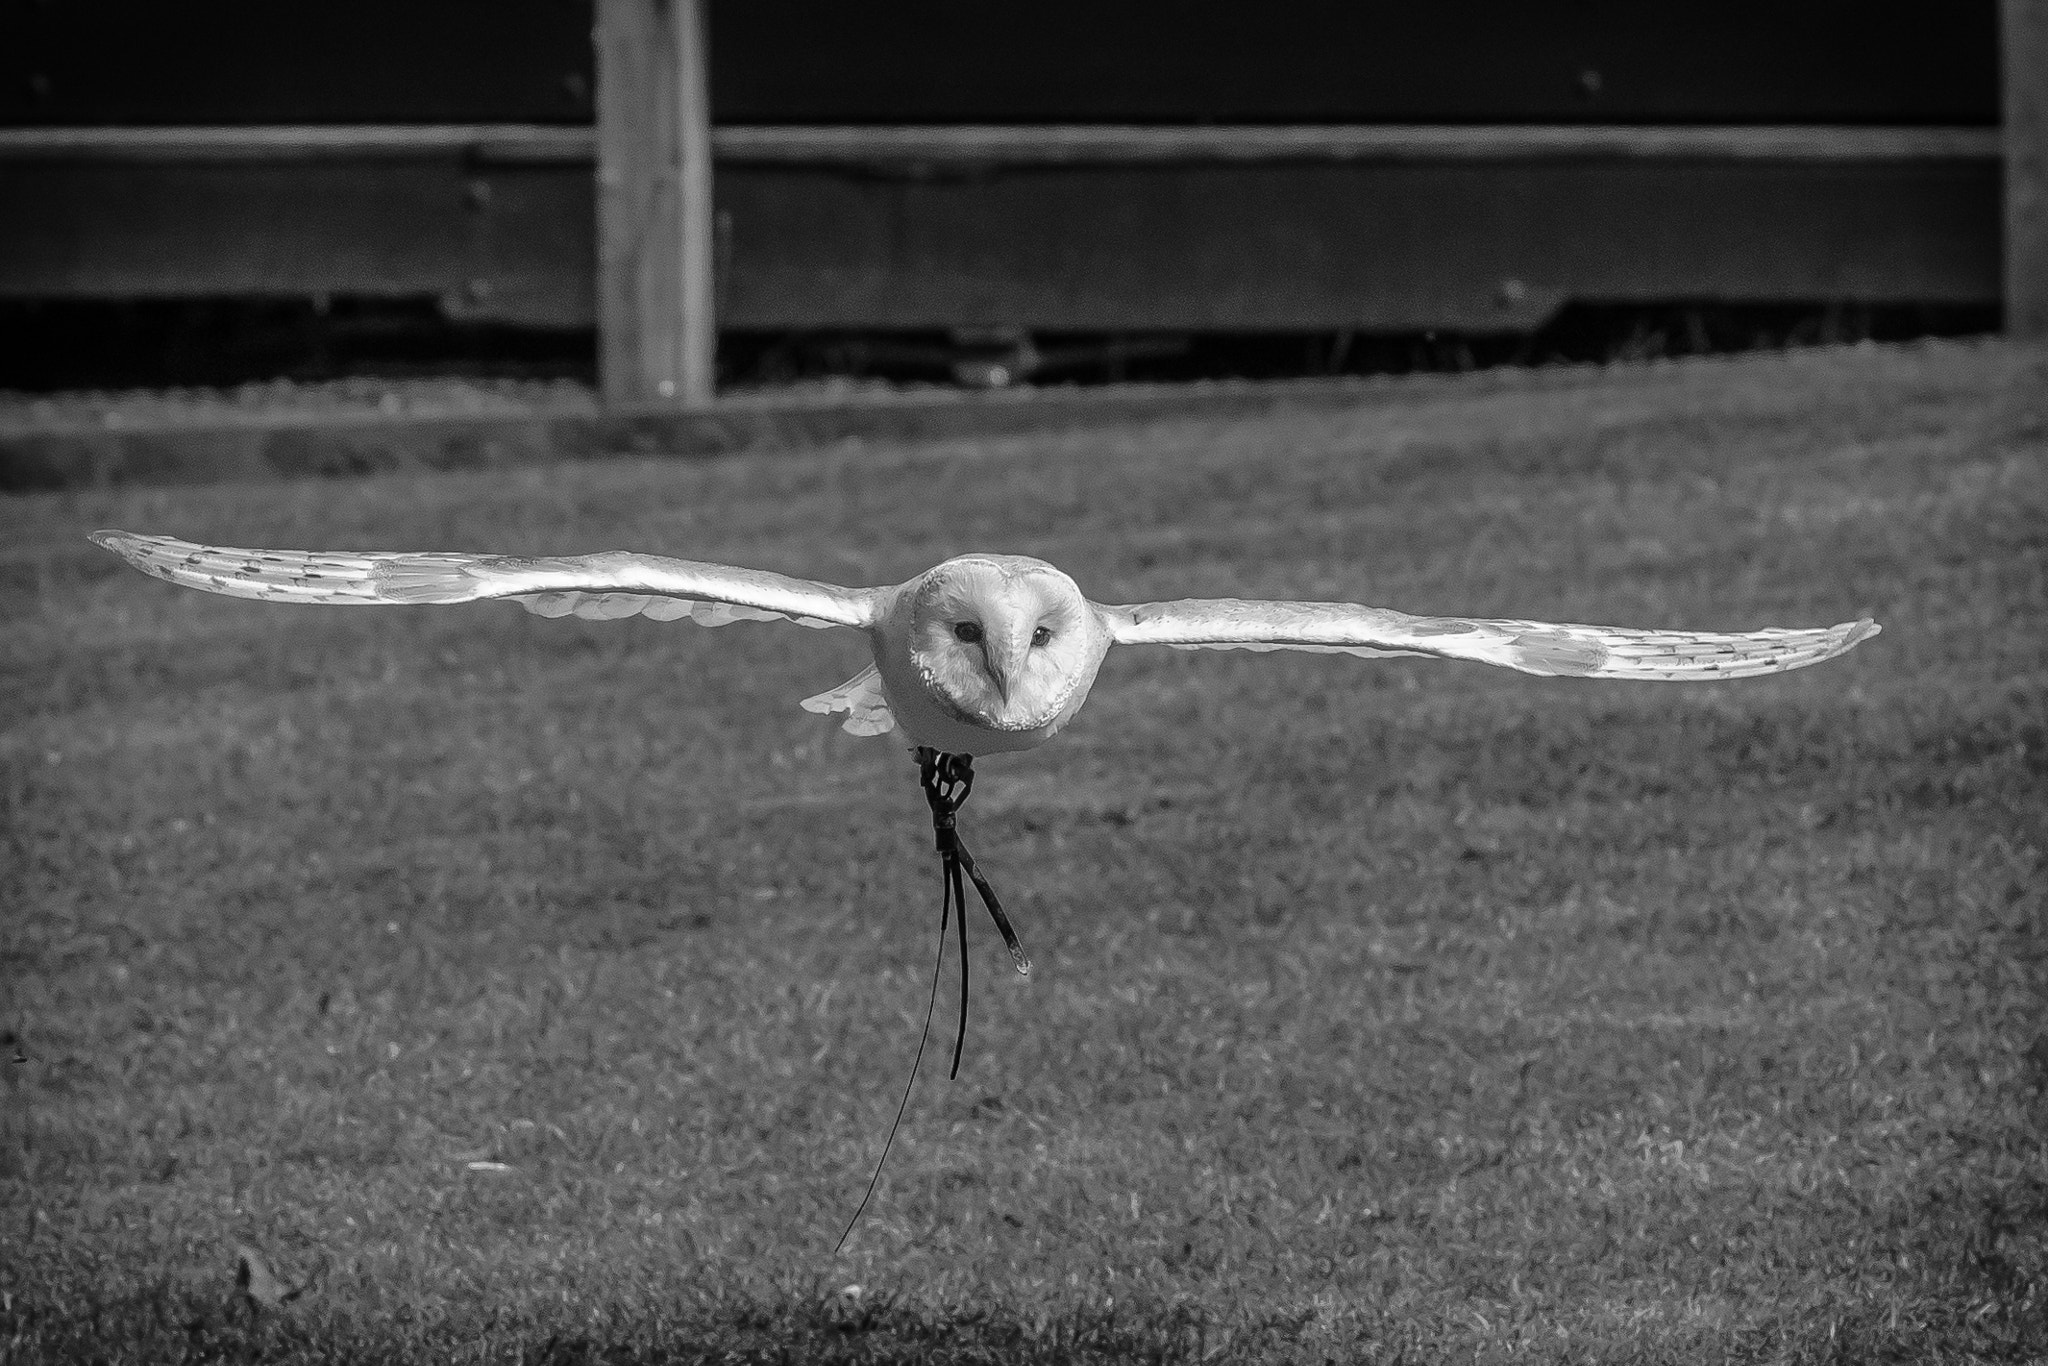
{"x":127,"y":544}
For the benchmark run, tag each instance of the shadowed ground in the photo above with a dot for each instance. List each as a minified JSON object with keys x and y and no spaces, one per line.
{"x":1380,"y":1007}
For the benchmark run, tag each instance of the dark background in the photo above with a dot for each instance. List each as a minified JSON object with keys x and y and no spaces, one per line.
{"x":103,"y":62}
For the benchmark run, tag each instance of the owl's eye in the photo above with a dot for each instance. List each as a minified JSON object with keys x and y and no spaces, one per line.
{"x":1041,"y":635}
{"x":969,"y":631}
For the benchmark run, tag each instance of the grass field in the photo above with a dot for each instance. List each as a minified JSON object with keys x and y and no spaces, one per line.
{"x":1383,"y":1010}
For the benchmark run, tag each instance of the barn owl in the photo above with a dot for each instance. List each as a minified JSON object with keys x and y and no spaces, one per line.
{"x":983,"y":654}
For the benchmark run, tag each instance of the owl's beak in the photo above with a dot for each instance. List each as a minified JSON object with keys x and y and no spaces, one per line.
{"x":1003,"y":658}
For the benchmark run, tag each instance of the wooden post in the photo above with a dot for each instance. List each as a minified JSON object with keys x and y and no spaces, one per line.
{"x":2024,"y":37}
{"x":656,"y":334}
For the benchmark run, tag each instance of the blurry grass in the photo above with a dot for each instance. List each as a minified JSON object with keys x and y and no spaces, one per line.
{"x":1390,"y":1009}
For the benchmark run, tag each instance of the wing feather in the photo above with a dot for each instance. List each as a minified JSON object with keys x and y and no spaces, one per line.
{"x":1536,"y":647}
{"x":613,"y":584}
{"x":863,"y":700}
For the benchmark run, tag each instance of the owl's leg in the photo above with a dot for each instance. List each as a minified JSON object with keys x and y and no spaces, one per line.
{"x":946,"y":779}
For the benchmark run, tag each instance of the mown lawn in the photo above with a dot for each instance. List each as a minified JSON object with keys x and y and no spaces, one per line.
{"x":1383,"y":1008}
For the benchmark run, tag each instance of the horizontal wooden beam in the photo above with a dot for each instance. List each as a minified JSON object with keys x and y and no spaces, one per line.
{"x":1114,"y":145}
{"x":1277,"y":246}
{"x":982,"y":146}
{"x":538,"y":144}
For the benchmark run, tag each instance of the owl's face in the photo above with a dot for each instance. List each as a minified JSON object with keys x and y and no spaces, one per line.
{"x":1003,"y":641}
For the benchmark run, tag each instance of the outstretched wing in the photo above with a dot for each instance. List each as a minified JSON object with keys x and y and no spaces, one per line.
{"x":616,"y":583}
{"x":1535,"y":647}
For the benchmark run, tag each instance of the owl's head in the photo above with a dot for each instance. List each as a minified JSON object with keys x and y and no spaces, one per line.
{"x":1003,"y":641}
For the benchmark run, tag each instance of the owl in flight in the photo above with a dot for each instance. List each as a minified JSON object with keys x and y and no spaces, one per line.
{"x":984,"y":654}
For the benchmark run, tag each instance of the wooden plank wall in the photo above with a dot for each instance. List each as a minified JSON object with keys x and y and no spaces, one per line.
{"x":1150,"y":164}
